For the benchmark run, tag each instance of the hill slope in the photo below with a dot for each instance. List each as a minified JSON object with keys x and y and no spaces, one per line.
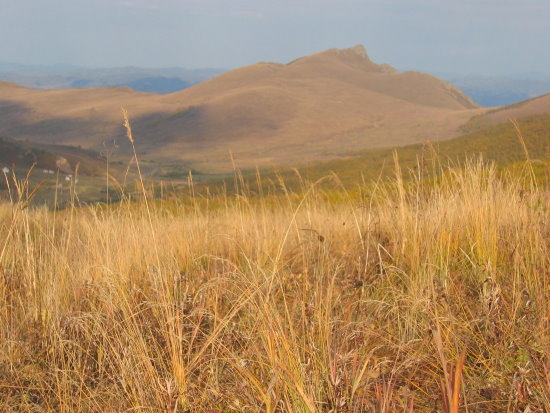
{"x":498,"y":143}
{"x":530,"y":107}
{"x":23,"y":155}
{"x":318,"y":107}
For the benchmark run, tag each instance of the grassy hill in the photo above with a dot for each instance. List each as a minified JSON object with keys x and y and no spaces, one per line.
{"x":498,"y":143}
{"x":317,"y":107}
{"x":533,"y":106}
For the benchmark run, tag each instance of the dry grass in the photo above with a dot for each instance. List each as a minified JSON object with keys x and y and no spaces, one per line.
{"x":412,"y":298}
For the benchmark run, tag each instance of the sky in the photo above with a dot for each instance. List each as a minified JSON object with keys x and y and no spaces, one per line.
{"x":480,"y":37}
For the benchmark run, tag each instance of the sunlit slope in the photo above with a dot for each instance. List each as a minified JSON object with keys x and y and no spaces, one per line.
{"x":499,"y":143}
{"x":349,"y":66}
{"x":318,"y":107}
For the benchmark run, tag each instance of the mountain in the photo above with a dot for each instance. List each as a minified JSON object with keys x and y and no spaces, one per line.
{"x":158,"y":84}
{"x":321,"y":106}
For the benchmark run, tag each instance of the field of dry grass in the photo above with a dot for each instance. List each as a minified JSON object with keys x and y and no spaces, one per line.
{"x":407,"y":297}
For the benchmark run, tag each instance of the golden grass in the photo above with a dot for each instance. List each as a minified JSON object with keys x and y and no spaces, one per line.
{"x":411,"y":298}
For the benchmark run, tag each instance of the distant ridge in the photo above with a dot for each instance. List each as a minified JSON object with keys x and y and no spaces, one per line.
{"x":162,"y":80}
{"x":530,"y":107}
{"x":354,"y":67}
{"x":316,"y":107}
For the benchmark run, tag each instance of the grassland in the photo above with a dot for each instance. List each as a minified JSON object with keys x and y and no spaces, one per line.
{"x":398,"y":296}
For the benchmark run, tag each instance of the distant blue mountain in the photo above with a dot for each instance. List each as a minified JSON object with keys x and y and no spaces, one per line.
{"x":490,"y":91}
{"x":492,"y":98}
{"x":162,"y":80}
{"x":159,"y":84}
{"x":155,"y":84}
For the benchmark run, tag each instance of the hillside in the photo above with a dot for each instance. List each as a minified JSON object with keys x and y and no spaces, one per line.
{"x":498,"y":143}
{"x":23,"y":155}
{"x":318,"y":107}
{"x":534,"y":106}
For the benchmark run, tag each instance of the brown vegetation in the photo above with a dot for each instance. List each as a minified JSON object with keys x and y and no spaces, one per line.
{"x":406,"y":297}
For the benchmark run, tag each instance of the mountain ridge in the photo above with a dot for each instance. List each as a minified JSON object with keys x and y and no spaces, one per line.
{"x":315,"y":107}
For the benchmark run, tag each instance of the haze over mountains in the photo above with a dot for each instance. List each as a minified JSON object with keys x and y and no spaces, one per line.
{"x":332,"y":111}
{"x":163,"y":80}
{"x":487,"y":91}
{"x":317,"y":107}
{"x":492,"y":91}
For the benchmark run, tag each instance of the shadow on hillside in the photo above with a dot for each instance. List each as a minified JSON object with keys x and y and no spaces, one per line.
{"x":21,"y":122}
{"x":151,"y":131}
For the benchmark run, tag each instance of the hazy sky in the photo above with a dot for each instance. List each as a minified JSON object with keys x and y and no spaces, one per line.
{"x":456,"y":36}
